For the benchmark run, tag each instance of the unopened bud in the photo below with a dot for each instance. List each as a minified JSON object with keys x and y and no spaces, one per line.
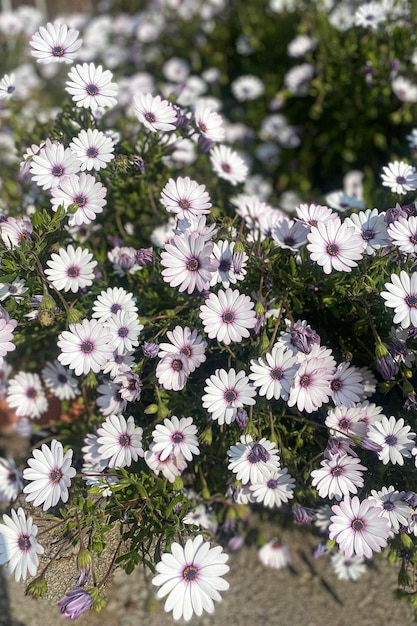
{"x":46,"y":318}
{"x":37,"y":588}
{"x":99,"y":602}
{"x":74,"y":316}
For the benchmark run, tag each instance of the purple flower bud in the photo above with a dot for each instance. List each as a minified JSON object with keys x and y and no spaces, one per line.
{"x":205,"y":144}
{"x":320,"y":551}
{"x":242,"y":418}
{"x":144,"y":256}
{"x":235,"y":543}
{"x":75,"y":603}
{"x":412,"y":332}
{"x":150,"y":350}
{"x":303,"y":338}
{"x":368,"y":444}
{"x":410,"y":498}
{"x":258,"y":453}
{"x":411,"y":402}
{"x":387,"y":367}
{"x":392,"y":215}
{"x":302,"y":516}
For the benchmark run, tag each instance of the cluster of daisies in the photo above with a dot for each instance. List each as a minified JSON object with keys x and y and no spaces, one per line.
{"x":210,"y":265}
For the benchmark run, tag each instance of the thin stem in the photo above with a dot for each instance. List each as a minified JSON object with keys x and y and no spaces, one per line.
{"x":110,"y":569}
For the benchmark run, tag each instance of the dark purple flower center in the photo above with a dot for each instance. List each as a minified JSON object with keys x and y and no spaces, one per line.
{"x":305,"y":381}
{"x":190,"y":573}
{"x":55,"y":475}
{"x":192,"y":265}
{"x":202,"y":127}
{"x":344,"y":423}
{"x":177,"y":437}
{"x":401,"y":180}
{"x":313,"y":222}
{"x":368,"y":234}
{"x":80,"y":200}
{"x":31,"y":393}
{"x":186,"y":350}
{"x":224,"y":265}
{"x":272,"y":483}
{"x":58,"y":51}
{"x":226,"y":168}
{"x":124,"y":440}
{"x":92,"y":90}
{"x":230,"y":395}
{"x":123,"y":331}
{"x":388,"y":505}
{"x":150,"y":117}
{"x":276,"y":373}
{"x":333,"y":249}
{"x":115,"y":307}
{"x":258,"y":453}
{"x":184,"y":204}
{"x":411,"y":300}
{"x":336,"y":385}
{"x":73,"y":271}
{"x":11,"y":477}
{"x":358,"y":525}
{"x":391,"y":440}
{"x":61,"y":378}
{"x":92,"y":152}
{"x":337,"y":471}
{"x":11,"y":88}
{"x":289,"y":241}
{"x":87,"y":347}
{"x":57,"y":170}
{"x":177,"y":365}
{"x":228,"y":317}
{"x":23,"y":543}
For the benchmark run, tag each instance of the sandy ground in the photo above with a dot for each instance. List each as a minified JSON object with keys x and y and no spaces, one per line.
{"x":307,"y":594}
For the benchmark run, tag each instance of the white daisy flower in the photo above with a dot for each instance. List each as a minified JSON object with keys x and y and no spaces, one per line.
{"x":395,"y":439}
{"x":26,"y":396}
{"x":10,"y":480}
{"x":393,"y":506}
{"x":71,"y":269}
{"x":52,"y":164}
{"x":154,"y":113}
{"x":119,"y":441}
{"x":191,"y":576}
{"x":228,"y":316}
{"x":208,"y":122}
{"x":311,"y":386}
{"x":401,"y":295}
{"x":228,"y":165}
{"x":274,"y":374}
{"x":274,"y":490}
{"x":372,"y":227}
{"x":49,"y":475}
{"x":313,"y":214}
{"x":338,"y":476}
{"x":14,"y":230}
{"x":109,"y":302}
{"x":55,"y":44}
{"x":346,"y":385}
{"x":335,"y":246}
{"x":7,"y":86}
{"x":403,"y":233}
{"x":93,"y":149}
{"x":90,"y":87}
{"x":289,"y":234}
{"x":59,"y":380}
{"x":85,"y":347}
{"x":226,"y":393}
{"x":399,"y":177}
{"x":124,"y":330}
{"x":14,"y":289}
{"x":172,"y":371}
{"x":187,"y":262}
{"x":185,"y":197}
{"x":252,"y":461}
{"x":109,"y":400}
{"x":84,"y":192}
{"x":231,"y":264}
{"x":119,"y":363}
{"x":274,"y":554}
{"x":347,"y":421}
{"x":6,"y":336}
{"x":247,"y":87}
{"x":186,"y":342}
{"x":176,"y":436}
{"x":348,"y":567}
{"x":370,"y":15}
{"x":18,"y":545}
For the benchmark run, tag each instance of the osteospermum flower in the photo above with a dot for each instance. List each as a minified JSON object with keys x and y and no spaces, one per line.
{"x":120,"y":441}
{"x":347,"y":421}
{"x":71,"y":269}
{"x":155,"y":113}
{"x":85,"y":347}
{"x":372,"y":227}
{"x":226,"y":393}
{"x":109,"y":302}
{"x":191,"y":576}
{"x":6,"y":336}
{"x":338,"y":476}
{"x":60,"y":381}
{"x":172,"y":371}
{"x":171,"y":467}
{"x":18,"y":544}
{"x":82,"y":191}
{"x":401,"y":295}
{"x":274,"y":490}
{"x":14,"y":230}
{"x":394,"y":437}
{"x":185,"y":197}
{"x":231,"y":264}
{"x":176,"y":436}
{"x":252,"y":461}
{"x":55,"y":44}
{"x":7,"y":86}
{"x":274,"y":554}
{"x":90,"y":87}
{"x":228,"y":315}
{"x":26,"y":396}
{"x":358,"y":528}
{"x":10,"y":480}
{"x":124,"y":330}
{"x":49,"y":475}
{"x":393,"y":506}
{"x":346,"y":385}
{"x":52,"y":164}
{"x":93,"y":149}
{"x":399,"y":177}
{"x":208,"y":122}
{"x":187,"y":262}
{"x":311,"y":386}
{"x":228,"y":165}
{"x":335,"y":246}
{"x":403,"y":233}
{"x":348,"y":567}
{"x":274,"y":374}
{"x":187,"y":342}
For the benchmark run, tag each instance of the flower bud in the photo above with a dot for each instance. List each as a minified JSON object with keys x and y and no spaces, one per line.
{"x":37,"y":588}
{"x":46,"y":318}
{"x":99,"y":602}
{"x":74,"y":316}
{"x":84,"y":563}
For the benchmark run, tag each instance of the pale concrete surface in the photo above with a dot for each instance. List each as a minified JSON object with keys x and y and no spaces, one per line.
{"x":307,"y":594}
